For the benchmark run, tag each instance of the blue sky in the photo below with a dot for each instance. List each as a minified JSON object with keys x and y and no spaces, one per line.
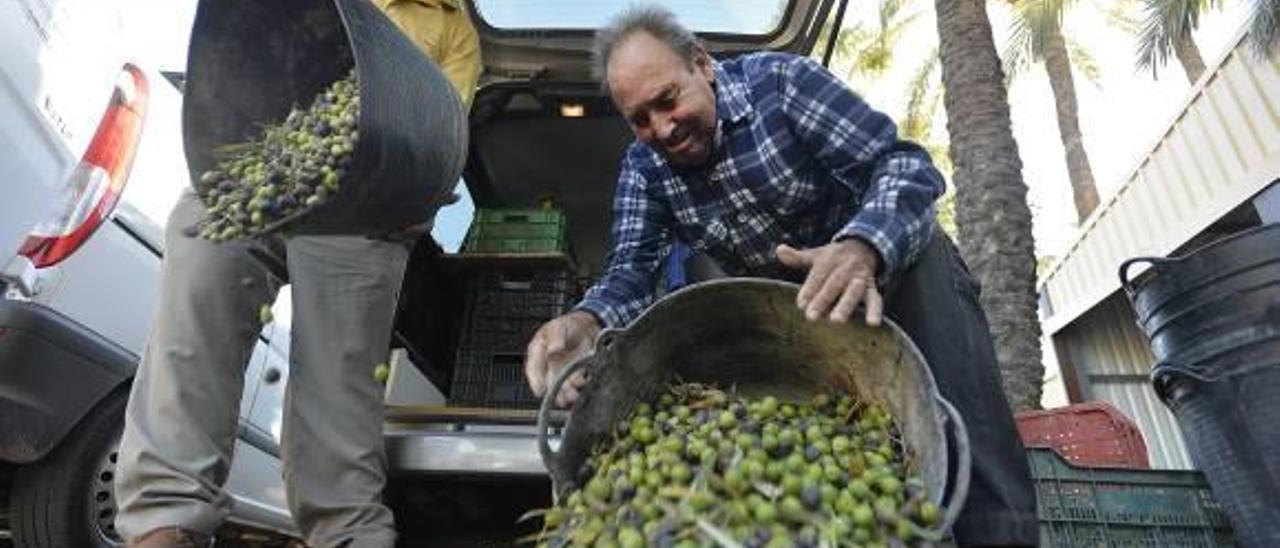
{"x":452,"y":221}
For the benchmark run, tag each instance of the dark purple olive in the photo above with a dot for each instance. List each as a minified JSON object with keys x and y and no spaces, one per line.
{"x":812,"y":453}
{"x":811,"y":497}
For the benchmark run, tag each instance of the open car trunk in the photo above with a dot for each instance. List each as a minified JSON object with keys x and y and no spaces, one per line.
{"x":542,"y":129}
{"x":522,"y":151}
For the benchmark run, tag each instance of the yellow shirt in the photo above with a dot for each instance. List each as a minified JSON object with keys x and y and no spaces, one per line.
{"x":442,"y":30}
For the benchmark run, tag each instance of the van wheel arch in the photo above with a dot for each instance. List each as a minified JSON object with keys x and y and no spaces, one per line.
{"x":67,"y":498}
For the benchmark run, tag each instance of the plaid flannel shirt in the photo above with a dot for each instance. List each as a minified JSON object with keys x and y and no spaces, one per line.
{"x":798,"y":159}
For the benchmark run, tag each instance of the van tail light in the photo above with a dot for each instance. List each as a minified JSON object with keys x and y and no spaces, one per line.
{"x":95,"y":186}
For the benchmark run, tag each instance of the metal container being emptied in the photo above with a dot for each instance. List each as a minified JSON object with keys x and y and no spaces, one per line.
{"x":749,"y":335}
{"x":251,"y":61}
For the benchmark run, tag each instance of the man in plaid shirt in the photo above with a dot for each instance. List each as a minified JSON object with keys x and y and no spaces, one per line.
{"x":771,"y":166}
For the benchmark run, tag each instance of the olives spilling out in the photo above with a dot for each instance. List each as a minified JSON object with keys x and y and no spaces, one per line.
{"x":289,"y":167}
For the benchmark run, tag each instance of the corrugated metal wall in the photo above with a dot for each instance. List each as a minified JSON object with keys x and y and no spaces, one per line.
{"x":1220,"y":151}
{"x":1114,"y":362}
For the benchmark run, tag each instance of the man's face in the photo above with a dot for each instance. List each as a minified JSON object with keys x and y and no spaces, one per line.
{"x":669,"y":104}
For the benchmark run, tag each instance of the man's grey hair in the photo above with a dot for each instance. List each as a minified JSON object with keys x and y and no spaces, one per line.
{"x":655,"y":20}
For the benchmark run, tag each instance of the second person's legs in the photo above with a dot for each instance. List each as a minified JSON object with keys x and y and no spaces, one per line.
{"x":936,"y":303}
{"x":344,"y":296}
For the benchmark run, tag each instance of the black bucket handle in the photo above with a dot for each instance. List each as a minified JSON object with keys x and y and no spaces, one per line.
{"x":1163,"y":374}
{"x":1155,"y":262}
{"x":952,"y":503}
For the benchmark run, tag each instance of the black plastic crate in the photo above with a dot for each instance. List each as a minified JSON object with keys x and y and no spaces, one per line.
{"x":514,"y":304}
{"x":537,"y":295}
{"x":525,"y":279}
{"x":504,"y":308}
{"x":499,"y":335}
{"x":529,"y":294}
{"x":491,"y":380}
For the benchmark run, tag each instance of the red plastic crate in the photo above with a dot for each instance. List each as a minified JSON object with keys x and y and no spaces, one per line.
{"x":1086,"y":434}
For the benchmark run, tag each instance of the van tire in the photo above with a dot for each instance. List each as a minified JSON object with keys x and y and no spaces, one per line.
{"x":58,"y":501}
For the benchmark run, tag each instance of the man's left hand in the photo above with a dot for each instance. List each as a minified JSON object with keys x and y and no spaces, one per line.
{"x":841,"y":275}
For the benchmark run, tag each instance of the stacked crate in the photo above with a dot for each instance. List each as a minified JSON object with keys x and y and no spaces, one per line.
{"x":520,"y":286}
{"x":1086,"y":434}
{"x":1123,"y":508}
{"x":516,"y":231}
{"x":503,"y":310}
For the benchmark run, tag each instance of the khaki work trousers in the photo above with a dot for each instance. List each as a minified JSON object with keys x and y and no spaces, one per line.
{"x":180,"y":425}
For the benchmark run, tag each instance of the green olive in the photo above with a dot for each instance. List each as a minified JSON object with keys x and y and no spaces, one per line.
{"x":792,"y":510}
{"x":629,"y":537}
{"x":889,"y":485}
{"x":929,"y":513}
{"x":726,"y":419}
{"x":792,"y":485}
{"x":863,"y":515}
{"x":765,"y":512}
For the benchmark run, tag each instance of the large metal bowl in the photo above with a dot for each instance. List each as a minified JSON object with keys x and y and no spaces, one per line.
{"x":748,"y":334}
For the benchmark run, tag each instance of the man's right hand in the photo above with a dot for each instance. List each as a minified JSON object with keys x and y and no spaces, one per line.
{"x":556,"y":344}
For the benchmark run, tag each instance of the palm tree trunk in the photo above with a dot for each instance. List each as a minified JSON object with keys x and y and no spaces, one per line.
{"x":1058,"y":64}
{"x":1184,"y":47}
{"x":991,"y":198}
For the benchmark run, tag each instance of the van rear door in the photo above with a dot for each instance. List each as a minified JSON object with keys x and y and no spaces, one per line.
{"x":59,"y":62}
{"x":552,"y":41}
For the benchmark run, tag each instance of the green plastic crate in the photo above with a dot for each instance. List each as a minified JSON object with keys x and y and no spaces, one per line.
{"x":516,"y":231}
{"x":524,"y":216}
{"x":1122,"y":507}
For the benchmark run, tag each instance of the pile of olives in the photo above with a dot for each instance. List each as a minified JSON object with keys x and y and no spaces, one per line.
{"x":290,"y":167}
{"x":704,"y":467}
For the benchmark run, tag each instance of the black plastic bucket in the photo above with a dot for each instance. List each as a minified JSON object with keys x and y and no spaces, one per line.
{"x":251,"y":61}
{"x":1213,"y":319}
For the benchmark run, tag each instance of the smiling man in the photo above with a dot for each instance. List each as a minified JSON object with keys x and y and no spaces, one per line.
{"x":771,"y":166}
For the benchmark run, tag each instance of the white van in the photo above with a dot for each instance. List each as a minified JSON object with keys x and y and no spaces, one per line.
{"x":79,"y":274}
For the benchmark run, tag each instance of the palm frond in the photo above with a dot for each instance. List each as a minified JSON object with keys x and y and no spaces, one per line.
{"x":918,"y":120}
{"x":924,"y":104}
{"x":1019,"y":52}
{"x":869,"y":49}
{"x":852,"y":39}
{"x":889,"y":10}
{"x":875,"y":60}
{"x":1163,"y":23}
{"x":1084,"y":61}
{"x":1123,"y":15}
{"x":1264,"y":26}
{"x":1041,"y":17}
{"x":894,"y":32}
